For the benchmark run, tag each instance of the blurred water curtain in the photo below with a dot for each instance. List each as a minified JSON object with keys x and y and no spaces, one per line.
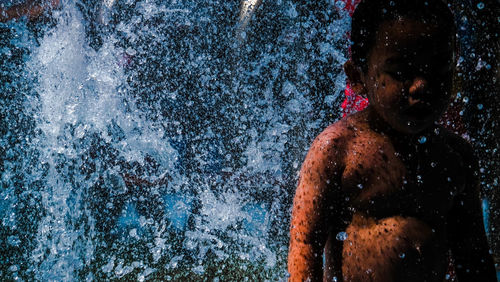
{"x":161,"y":139}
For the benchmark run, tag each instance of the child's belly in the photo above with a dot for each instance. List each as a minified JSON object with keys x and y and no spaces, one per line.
{"x":393,"y":249}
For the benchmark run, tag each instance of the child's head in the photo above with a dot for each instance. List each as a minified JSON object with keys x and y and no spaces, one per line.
{"x":403,"y":59}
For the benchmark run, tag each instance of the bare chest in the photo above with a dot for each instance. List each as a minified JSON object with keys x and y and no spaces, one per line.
{"x":382,"y":181}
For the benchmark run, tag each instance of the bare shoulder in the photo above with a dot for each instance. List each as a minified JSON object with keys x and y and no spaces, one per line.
{"x":333,"y":140}
{"x":324,"y":161}
{"x":469,"y":164}
{"x":460,"y":146}
{"x":344,"y":130}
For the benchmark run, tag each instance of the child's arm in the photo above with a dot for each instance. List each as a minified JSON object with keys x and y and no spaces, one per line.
{"x":466,"y":232}
{"x":315,"y":209}
{"x":31,"y":9}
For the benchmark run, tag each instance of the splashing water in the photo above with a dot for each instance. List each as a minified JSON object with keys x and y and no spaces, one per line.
{"x":150,"y":140}
{"x":162,"y":140}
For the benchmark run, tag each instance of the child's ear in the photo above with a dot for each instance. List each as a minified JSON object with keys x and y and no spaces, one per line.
{"x":355,"y":77}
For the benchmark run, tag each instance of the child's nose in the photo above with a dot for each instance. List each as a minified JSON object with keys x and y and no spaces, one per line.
{"x":418,"y":89}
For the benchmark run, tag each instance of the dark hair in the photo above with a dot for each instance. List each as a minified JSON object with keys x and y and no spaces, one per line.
{"x":370,"y":14}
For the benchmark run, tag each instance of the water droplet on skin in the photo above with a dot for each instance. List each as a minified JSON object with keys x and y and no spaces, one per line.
{"x":422,"y":140}
{"x":480,"y":5}
{"x":341,"y":236}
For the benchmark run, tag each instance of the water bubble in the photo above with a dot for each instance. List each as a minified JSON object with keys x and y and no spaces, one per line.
{"x":402,"y":255}
{"x":436,"y":131}
{"x":480,"y":106}
{"x":14,"y":240}
{"x":360,"y":186}
{"x":341,"y":236}
{"x":133,"y":232}
{"x":422,"y":140}
{"x":480,"y":5}
{"x":340,"y":5}
{"x":433,"y":164}
{"x":465,"y":99}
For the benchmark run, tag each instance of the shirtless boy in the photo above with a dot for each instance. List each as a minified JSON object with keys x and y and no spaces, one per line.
{"x":386,"y":194}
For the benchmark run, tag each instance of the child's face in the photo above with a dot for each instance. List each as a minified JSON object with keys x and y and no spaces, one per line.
{"x":409,"y":75}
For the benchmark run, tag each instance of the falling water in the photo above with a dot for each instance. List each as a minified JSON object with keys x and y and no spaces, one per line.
{"x":162,"y":140}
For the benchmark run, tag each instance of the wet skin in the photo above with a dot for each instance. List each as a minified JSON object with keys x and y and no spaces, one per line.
{"x":403,"y":201}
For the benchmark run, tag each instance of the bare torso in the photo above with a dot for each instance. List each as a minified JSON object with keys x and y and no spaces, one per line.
{"x":398,"y":194}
